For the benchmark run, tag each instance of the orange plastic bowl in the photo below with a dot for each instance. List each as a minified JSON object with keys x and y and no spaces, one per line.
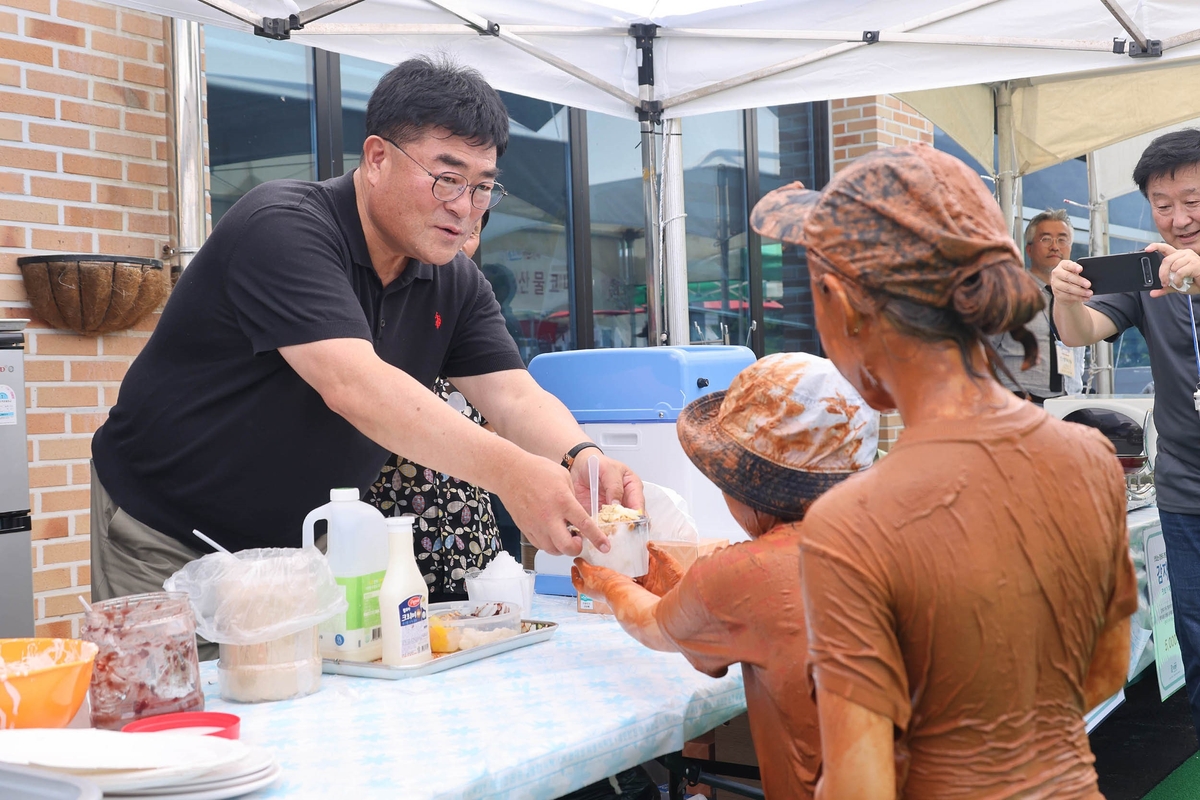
{"x":43,"y":681}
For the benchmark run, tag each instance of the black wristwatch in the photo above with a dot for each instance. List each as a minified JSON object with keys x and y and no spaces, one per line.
{"x":568,"y":460}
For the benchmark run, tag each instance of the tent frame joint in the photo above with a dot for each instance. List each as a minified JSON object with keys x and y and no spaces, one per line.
{"x":870,"y":37}
{"x":279,"y":28}
{"x":650,"y":111}
{"x":488,"y":28}
{"x":1153,"y":49}
{"x":644,"y":34}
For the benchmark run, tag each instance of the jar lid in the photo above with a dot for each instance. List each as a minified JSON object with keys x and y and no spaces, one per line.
{"x":205,"y":723}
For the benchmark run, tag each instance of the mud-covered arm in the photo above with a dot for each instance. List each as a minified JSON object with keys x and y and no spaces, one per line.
{"x":1110,"y":660}
{"x":856,"y":750}
{"x":633,"y":606}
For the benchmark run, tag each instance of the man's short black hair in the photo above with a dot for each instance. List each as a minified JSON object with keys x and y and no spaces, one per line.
{"x":1167,"y":153}
{"x":426,"y":92}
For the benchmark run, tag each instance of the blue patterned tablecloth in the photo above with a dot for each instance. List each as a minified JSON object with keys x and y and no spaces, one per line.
{"x":533,"y":723}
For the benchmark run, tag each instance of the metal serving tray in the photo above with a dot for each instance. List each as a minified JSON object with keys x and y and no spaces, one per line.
{"x":532,"y":632}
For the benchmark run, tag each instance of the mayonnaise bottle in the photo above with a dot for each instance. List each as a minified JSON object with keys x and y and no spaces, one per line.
{"x":404,"y":600}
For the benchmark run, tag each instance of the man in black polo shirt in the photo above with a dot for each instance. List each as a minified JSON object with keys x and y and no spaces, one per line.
{"x":298,"y":348}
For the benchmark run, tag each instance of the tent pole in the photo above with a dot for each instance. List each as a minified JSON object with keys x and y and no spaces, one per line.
{"x":1005,"y":174}
{"x":654,"y":321}
{"x":650,"y":115}
{"x":674,"y":251}
{"x":1102,"y":354}
{"x":187,"y":132}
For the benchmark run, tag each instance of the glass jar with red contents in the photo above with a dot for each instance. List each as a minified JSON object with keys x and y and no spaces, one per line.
{"x":147,"y":664}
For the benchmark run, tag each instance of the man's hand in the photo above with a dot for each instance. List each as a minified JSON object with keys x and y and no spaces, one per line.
{"x":664,"y":573}
{"x":543,"y":505}
{"x":1177,"y":265}
{"x":1068,"y":285}
{"x":618,"y":483}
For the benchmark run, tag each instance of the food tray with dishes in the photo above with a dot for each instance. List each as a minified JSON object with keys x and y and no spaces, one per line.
{"x":532,"y":631}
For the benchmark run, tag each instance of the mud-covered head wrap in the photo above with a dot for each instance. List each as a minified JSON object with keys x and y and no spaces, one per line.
{"x":916,"y":224}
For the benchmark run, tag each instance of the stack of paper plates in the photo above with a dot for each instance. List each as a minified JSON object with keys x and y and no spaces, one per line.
{"x":179,"y":766}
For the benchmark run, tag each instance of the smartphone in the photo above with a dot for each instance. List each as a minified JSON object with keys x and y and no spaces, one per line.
{"x":1123,"y":272}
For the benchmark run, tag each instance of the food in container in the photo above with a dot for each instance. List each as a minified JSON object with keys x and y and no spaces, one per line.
{"x":628,"y":531}
{"x":263,"y":607}
{"x":461,"y":626}
{"x":280,"y":669}
{"x":147,"y":662}
{"x":502,"y":581}
{"x":43,"y":681}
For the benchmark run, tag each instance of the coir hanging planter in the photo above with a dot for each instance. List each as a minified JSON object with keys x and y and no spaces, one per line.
{"x":93,"y":294}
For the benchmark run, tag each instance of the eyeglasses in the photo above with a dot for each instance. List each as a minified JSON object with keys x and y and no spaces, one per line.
{"x":449,"y":186}
{"x":1046,"y":241}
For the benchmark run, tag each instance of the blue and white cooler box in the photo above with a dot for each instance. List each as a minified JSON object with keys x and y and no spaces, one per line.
{"x":628,"y":401}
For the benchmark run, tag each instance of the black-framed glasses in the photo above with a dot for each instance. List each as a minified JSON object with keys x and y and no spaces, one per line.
{"x":449,"y":186}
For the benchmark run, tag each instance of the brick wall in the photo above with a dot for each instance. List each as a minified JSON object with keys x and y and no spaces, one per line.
{"x":863,"y":124}
{"x":83,"y":169}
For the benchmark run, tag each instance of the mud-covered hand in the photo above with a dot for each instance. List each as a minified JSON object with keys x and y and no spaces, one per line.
{"x":633,"y":606}
{"x":664,"y":573}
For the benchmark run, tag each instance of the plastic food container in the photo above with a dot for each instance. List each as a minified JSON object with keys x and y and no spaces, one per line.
{"x":280,"y":669}
{"x":627,"y":548}
{"x":518,"y":591}
{"x":461,"y":626}
{"x":43,"y":681}
{"x":147,"y":663}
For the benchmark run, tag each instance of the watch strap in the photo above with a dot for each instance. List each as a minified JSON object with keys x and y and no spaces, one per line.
{"x":568,"y":460}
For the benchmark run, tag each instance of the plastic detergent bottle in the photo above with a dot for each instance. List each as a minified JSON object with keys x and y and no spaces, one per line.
{"x":404,"y":600}
{"x":357,"y":549}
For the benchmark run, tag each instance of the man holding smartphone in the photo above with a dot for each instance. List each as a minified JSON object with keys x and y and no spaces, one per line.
{"x":1047,"y":242}
{"x":1168,"y":174}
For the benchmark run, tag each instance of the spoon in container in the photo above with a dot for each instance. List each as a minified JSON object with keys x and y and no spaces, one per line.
{"x":594,"y":481}
{"x":209,"y":541}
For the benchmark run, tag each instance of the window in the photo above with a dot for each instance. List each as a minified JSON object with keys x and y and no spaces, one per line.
{"x":260,"y":113}
{"x":618,"y":231}
{"x":791,"y":140}
{"x":714,"y":185}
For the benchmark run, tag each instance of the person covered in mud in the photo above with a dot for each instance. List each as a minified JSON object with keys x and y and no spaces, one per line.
{"x":787,"y":429}
{"x":967,"y":599}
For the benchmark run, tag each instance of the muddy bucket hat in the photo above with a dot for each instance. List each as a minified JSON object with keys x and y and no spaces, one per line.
{"x":789,"y":428}
{"x":910,"y":222}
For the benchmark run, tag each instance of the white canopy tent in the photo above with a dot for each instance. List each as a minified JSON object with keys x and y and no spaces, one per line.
{"x":1065,"y":73}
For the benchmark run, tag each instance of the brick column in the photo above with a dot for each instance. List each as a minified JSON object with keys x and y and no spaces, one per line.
{"x":83,"y":169}
{"x":864,"y":124}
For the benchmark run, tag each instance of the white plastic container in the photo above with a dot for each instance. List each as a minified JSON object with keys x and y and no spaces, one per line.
{"x":357,"y":549}
{"x":404,"y":600}
{"x":276,"y":670}
{"x":627,"y":552}
{"x":518,"y":590}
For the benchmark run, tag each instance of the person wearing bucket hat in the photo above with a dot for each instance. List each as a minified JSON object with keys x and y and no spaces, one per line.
{"x":788,"y":428}
{"x":967,"y":599}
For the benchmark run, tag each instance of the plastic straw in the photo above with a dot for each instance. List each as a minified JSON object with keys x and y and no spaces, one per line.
{"x":86,"y":605}
{"x":594,"y":482}
{"x":209,"y":542}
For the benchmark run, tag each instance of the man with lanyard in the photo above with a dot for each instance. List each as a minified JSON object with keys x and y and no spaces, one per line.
{"x":298,"y":348}
{"x":1047,"y":242}
{"x":1168,"y":174}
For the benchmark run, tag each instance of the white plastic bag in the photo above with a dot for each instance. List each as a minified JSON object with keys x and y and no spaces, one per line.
{"x":258,"y":595}
{"x":669,"y":518}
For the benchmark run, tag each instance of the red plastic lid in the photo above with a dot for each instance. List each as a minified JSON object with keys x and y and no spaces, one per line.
{"x":226,"y":726}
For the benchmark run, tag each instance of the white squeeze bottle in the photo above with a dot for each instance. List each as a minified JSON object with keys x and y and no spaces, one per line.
{"x":404,"y":600}
{"x":356,"y":547}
